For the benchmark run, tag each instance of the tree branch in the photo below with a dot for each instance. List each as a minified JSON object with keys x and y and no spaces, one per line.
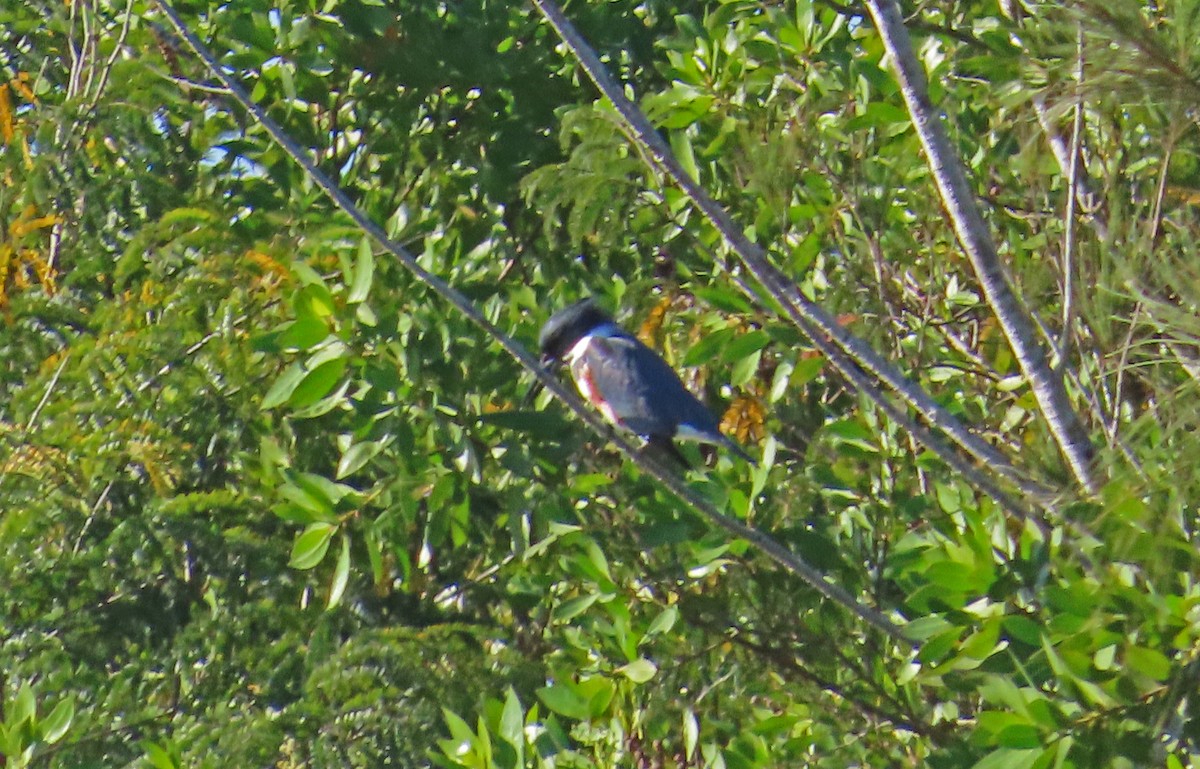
{"x":1048,"y":388}
{"x":850,"y":355}
{"x":772,"y":549}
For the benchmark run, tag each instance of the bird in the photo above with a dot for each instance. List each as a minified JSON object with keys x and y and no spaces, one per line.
{"x":628,"y":383}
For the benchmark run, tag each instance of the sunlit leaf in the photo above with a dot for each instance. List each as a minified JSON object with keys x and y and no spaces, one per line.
{"x":341,"y":575}
{"x":310,"y":547}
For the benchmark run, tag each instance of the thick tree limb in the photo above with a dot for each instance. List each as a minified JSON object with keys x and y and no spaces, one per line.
{"x":1048,"y":388}
{"x":657,"y":470}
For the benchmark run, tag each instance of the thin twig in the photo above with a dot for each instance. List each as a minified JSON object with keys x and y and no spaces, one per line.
{"x":1106,"y":421}
{"x":1117,"y":399}
{"x":49,"y":388}
{"x":189,"y":352}
{"x":1086,"y":198}
{"x":91,"y":517}
{"x":1068,"y":255}
{"x":118,"y":47}
{"x":29,"y":423}
{"x":962,"y":346}
{"x":1160,"y":194}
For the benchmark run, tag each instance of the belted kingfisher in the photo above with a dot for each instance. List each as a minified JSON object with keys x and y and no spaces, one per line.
{"x":626,"y":381}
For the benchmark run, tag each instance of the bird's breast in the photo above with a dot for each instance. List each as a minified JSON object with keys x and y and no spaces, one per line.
{"x":585,"y":380}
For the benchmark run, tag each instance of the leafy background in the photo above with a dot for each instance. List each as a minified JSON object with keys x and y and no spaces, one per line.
{"x":265,"y":500}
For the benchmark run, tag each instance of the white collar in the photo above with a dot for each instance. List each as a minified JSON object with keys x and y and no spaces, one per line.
{"x":605,"y":331}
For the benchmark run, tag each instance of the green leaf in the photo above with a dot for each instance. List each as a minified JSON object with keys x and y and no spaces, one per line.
{"x":1149,"y":662}
{"x":679,"y":107}
{"x":807,"y":369}
{"x":663,"y":622}
{"x":293,"y":513}
{"x":878,"y":115}
{"x":1019,"y":736}
{"x":341,"y":575}
{"x":681,"y":145}
{"x":573,"y":607}
{"x":1023,"y":629}
{"x":744,"y":345}
{"x":925,"y":627}
{"x":851,"y":432}
{"x":745,"y":369}
{"x":364,"y":273}
{"x":565,"y":701}
{"x":158,"y":757}
{"x":286,"y":80}
{"x":586,"y":484}
{"x":375,"y":556}
{"x":55,"y":725}
{"x":597,"y":558}
{"x":512,"y":722}
{"x":1000,"y":690}
{"x":779,"y":384}
{"x":1009,"y":758}
{"x":24,"y":706}
{"x":304,"y":333}
{"x":1104,"y":657}
{"x":311,"y":545}
{"x":691,"y":733}
{"x":308,"y":277}
{"x":358,"y":454}
{"x":284,"y":386}
{"x":724,"y":298}
{"x":460,"y":730}
{"x":313,"y":493}
{"x":600,"y":692}
{"x":187,"y":217}
{"x":639,"y":671}
{"x":317,"y":383}
{"x":708,"y":347}
{"x":321,"y":487}
{"x":948,"y":497}
{"x":306,"y":506}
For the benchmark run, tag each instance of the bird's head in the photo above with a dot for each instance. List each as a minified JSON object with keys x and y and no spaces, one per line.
{"x":568,"y":326}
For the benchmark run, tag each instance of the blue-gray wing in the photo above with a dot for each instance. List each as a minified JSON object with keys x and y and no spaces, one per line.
{"x":644,"y":393}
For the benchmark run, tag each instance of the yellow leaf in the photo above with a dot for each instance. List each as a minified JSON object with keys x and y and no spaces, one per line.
{"x":1184,"y":194}
{"x":6,"y":115}
{"x":744,"y":420}
{"x":652,"y":325}
{"x":267,"y":264}
{"x":45,"y":273}
{"x":21,"y":84}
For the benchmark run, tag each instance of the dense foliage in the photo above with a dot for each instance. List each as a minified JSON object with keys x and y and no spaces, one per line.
{"x":266,"y":500}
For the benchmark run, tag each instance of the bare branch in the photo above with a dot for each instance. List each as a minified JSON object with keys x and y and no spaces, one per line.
{"x":1069,"y":225}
